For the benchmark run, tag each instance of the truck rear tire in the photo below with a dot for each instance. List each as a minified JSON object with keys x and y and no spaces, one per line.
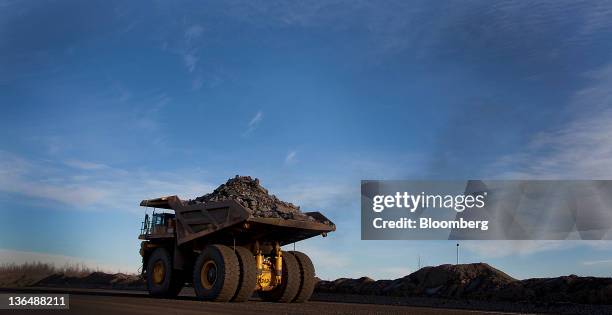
{"x":216,"y":274}
{"x":248,"y":275}
{"x":162,"y":279}
{"x":307,"y":271}
{"x":290,"y":283}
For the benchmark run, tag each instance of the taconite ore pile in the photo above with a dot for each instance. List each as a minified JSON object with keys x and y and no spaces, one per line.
{"x":248,"y":193}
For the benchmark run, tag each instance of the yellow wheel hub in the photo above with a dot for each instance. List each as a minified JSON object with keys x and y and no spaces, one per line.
{"x":159,"y":272}
{"x":208,"y":274}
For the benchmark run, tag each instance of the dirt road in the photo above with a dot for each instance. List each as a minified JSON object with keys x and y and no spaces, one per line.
{"x":94,"y":302}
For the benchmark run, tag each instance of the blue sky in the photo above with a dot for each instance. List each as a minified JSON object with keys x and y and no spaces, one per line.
{"x":106,"y":103}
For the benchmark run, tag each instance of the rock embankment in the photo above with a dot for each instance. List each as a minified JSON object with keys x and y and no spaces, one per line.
{"x":478,"y":281}
{"x":95,"y":280}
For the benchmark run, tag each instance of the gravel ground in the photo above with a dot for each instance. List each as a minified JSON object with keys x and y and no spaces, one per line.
{"x":94,"y":302}
{"x":321,"y":303}
{"x":514,"y":307}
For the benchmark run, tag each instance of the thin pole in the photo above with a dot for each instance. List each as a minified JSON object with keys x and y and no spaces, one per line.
{"x":457,"y":253}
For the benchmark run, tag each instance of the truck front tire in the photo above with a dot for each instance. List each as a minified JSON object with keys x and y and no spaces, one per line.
{"x":216,"y":274}
{"x":307,"y":271}
{"x":162,"y":279}
{"x":290,"y":282}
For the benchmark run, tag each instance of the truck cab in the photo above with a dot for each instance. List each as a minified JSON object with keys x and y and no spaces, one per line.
{"x":157,"y":225}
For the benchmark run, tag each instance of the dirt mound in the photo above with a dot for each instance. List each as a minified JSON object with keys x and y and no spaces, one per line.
{"x":19,"y":279}
{"x":478,"y":281}
{"x":97,"y":280}
{"x":473,"y":280}
{"x":363,"y":285}
{"x":251,"y":195}
{"x":27,"y":274}
{"x":445,"y":280}
{"x":585,"y":290}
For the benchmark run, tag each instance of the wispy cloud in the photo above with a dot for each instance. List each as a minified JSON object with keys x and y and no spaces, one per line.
{"x":597,"y":262}
{"x":28,"y":178}
{"x":52,"y":144}
{"x":321,"y":194}
{"x":189,"y":52}
{"x":191,"y":60}
{"x":580,"y":149}
{"x":422,"y":29}
{"x":256,"y":119}
{"x":85,"y":165}
{"x":109,"y":189}
{"x":147,"y":118}
{"x":291,"y":157}
{"x":204,"y":73}
{"x":193,"y":32}
{"x":254,"y":123}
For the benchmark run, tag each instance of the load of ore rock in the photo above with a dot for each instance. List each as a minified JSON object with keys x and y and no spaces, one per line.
{"x":247,"y":192}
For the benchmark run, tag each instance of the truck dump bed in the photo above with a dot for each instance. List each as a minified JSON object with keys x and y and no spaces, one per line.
{"x":228,"y":220}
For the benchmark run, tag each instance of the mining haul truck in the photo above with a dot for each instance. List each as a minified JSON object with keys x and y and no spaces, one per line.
{"x":225,"y":252}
